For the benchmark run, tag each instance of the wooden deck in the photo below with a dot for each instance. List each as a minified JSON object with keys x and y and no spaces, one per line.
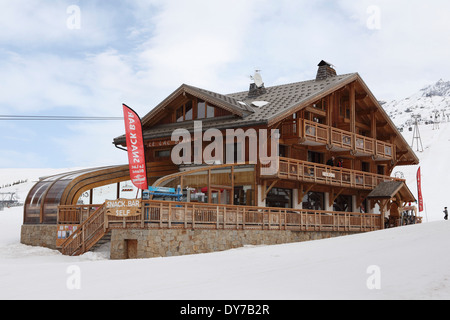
{"x":308,"y":132}
{"x":309,"y":172}
{"x":183,"y":215}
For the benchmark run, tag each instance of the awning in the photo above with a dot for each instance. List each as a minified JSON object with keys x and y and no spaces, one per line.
{"x":390,"y":189}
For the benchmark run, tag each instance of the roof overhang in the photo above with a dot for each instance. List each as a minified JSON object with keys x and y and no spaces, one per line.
{"x":392,"y":189}
{"x":216,"y":99}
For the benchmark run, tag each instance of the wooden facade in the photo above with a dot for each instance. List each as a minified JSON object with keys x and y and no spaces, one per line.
{"x":331,"y":116}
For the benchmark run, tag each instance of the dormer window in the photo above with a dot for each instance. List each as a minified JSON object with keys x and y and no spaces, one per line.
{"x":185,"y":112}
{"x":204,"y":110}
{"x":191,"y":111}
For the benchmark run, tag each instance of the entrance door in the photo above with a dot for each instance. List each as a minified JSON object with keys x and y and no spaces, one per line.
{"x":131,"y":248}
{"x":221,"y":196}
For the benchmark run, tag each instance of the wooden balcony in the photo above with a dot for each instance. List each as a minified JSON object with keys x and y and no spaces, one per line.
{"x":298,"y":170}
{"x":316,"y":134}
{"x":203,"y":216}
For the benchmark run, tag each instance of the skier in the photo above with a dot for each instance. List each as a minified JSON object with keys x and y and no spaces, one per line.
{"x":445,"y":213}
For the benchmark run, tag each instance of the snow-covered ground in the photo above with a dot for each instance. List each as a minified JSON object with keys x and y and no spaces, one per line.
{"x":410,"y":262}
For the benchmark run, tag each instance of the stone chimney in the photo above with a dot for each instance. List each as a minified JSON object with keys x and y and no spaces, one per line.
{"x":325,"y":70}
{"x":256,"y":88}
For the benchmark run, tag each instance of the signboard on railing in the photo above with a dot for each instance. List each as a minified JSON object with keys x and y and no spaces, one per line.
{"x":123,"y":207}
{"x":64,"y":231}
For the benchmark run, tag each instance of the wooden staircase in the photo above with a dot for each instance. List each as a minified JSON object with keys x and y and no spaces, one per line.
{"x":87,"y":235}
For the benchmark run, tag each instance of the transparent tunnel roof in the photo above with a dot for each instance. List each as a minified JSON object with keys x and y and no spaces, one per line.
{"x":41,"y":204}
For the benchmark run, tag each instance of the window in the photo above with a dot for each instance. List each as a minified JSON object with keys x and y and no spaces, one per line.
{"x":188,"y":111}
{"x":314,"y":201}
{"x":343,"y":203}
{"x":279,"y":198}
{"x":180,"y":114}
{"x":185,"y":112}
{"x":283,"y":151}
{"x":201,"y":110}
{"x":210,"y":111}
{"x":315,"y":157}
{"x":205,"y":110}
{"x":162,"y":154}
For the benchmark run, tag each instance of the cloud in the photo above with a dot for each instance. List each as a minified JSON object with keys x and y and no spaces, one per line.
{"x":91,"y":145}
{"x":29,"y":25}
{"x":408,"y":49}
{"x":138,"y":52}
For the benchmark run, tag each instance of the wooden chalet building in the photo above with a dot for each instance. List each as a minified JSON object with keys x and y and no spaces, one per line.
{"x":331,"y":116}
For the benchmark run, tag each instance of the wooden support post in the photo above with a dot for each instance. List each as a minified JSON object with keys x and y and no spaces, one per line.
{"x":232,"y":186}
{"x":352,"y":108}
{"x":266,"y":192}
{"x":302,"y":192}
{"x":209,"y":186}
{"x":334,"y":196}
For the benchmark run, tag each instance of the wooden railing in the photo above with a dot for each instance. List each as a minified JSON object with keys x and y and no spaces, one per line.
{"x":314,"y":131}
{"x":318,"y":133}
{"x":87,"y":234}
{"x":189,"y":215}
{"x":299,"y":170}
{"x":75,"y":214}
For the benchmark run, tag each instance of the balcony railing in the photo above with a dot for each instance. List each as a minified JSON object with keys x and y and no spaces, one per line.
{"x":313,"y":133}
{"x":203,"y":216}
{"x":293,"y":169}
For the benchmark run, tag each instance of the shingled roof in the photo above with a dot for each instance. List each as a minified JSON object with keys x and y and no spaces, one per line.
{"x":388,"y":190}
{"x":285,"y":98}
{"x":279,"y":100}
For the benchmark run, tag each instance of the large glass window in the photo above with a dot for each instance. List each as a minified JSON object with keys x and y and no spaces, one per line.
{"x":314,"y":201}
{"x":279,"y":198}
{"x":343,"y":203}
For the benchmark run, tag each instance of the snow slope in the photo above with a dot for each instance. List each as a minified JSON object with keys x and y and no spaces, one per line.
{"x":412,"y":262}
{"x":432,"y":103}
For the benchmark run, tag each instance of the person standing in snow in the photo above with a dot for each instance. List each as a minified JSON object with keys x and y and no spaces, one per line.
{"x":445,"y":214}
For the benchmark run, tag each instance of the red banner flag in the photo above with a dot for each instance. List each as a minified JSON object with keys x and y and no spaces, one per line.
{"x":419,"y":190}
{"x":135,"y":148}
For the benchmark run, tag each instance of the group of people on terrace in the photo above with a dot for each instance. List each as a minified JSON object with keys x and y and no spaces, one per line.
{"x":331,"y":162}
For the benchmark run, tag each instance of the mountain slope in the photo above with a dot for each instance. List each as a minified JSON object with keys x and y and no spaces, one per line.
{"x":432,"y":105}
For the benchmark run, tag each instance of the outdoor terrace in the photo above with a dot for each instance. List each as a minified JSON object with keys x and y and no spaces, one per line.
{"x":304,"y":171}
{"x":312,"y":133}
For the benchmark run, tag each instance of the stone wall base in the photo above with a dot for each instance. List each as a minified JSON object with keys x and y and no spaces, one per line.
{"x":39,"y":235}
{"x":149,"y":243}
{"x":135,"y":243}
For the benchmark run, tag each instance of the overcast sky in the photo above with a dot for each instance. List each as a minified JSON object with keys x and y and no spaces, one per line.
{"x":87,"y":57}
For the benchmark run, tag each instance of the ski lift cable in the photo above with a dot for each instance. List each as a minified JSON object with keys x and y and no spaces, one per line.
{"x":55,"y":118}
